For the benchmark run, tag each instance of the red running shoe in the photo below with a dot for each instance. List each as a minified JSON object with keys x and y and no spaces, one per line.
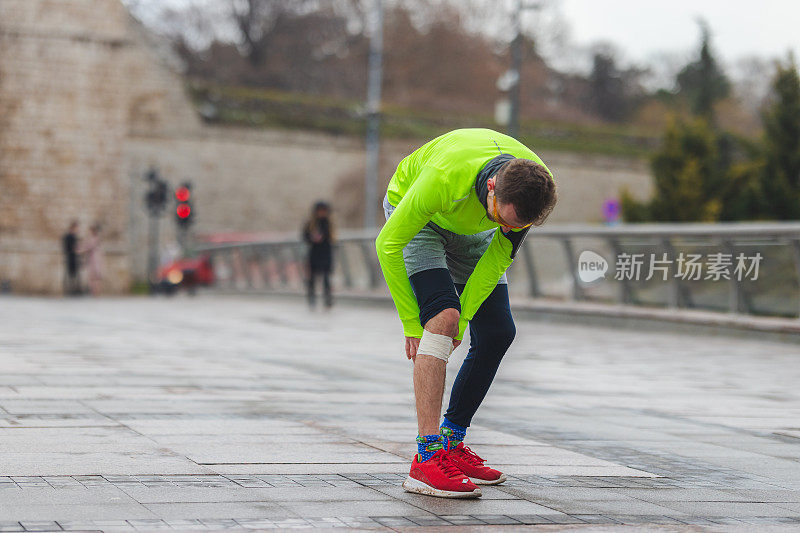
{"x":468,"y":462}
{"x":439,"y":476}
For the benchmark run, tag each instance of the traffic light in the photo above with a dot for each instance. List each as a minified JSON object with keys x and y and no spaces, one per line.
{"x":155,"y":197}
{"x":183,"y":205}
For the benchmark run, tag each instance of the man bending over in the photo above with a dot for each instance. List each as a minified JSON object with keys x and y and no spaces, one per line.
{"x":457,"y":209}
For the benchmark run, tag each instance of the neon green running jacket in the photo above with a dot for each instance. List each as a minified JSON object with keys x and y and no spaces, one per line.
{"x":436,"y":183}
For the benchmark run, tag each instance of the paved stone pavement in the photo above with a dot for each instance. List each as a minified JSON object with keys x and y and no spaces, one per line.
{"x":245,"y":412}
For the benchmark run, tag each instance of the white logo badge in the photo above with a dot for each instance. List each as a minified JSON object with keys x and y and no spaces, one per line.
{"x":591,"y":266}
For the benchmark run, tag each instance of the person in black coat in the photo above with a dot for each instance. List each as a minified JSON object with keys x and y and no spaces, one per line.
{"x":72,"y":283}
{"x":318,"y":233}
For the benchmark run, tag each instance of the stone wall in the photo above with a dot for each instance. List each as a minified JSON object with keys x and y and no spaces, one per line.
{"x":89,"y":101}
{"x":76,"y":79}
{"x":62,"y":103}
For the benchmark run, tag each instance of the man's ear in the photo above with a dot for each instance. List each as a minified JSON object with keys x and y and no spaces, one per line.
{"x":490,"y":183}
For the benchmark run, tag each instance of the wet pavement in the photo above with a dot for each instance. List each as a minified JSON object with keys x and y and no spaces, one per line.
{"x":252,"y":413}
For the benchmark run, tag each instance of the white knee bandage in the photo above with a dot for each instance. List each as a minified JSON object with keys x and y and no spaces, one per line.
{"x":435,"y":345}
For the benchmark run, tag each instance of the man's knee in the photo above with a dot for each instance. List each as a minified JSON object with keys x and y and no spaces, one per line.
{"x":498,"y":335}
{"x":437,"y":338}
{"x":445,"y":322}
{"x":506,"y":333}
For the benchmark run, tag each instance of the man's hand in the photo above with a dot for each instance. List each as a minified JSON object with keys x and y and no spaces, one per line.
{"x":412,"y":344}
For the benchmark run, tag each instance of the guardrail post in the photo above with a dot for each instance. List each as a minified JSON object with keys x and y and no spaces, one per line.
{"x":734,"y":286}
{"x":533,"y":282}
{"x":262,"y":257}
{"x":223,"y":263}
{"x":267,"y":266}
{"x":214,"y":259}
{"x":229,"y":264}
{"x":299,"y":261}
{"x":369,"y":261}
{"x":282,"y":265}
{"x":244,"y":268}
{"x":252,"y":268}
{"x":577,"y":292}
{"x":341,"y":253}
{"x":255,"y":267}
{"x":796,"y":253}
{"x":674,"y":287}
{"x":625,"y":293}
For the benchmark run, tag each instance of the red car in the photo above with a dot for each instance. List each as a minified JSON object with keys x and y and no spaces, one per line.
{"x":188,"y":273}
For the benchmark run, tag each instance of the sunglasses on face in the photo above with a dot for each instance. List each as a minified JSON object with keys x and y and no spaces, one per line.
{"x":500,"y":220}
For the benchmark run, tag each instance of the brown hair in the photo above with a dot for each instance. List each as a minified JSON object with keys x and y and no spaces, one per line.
{"x":529,"y":187}
{"x":313,"y":222}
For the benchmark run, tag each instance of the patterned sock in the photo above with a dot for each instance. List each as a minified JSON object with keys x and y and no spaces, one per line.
{"x":427,"y":445}
{"x":453,"y":433}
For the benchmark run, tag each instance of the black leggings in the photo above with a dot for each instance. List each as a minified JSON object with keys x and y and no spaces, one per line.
{"x":491,"y":332}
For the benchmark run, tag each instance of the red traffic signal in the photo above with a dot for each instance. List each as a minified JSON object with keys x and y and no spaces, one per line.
{"x":183,"y":205}
{"x":182,"y":194}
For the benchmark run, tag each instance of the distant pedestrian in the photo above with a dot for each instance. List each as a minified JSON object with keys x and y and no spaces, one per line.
{"x":93,"y":257}
{"x":318,"y":233}
{"x":72,"y":280}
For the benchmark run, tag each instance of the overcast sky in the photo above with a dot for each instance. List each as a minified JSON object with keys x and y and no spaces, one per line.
{"x":642,"y":28}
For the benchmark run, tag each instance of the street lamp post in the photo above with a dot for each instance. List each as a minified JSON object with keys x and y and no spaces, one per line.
{"x":155,"y":201}
{"x":516,"y":65}
{"x":373,"y":114}
{"x":515,"y":74}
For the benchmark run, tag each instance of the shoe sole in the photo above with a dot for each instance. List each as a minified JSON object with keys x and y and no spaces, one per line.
{"x":418,"y":487}
{"x":497,"y":481}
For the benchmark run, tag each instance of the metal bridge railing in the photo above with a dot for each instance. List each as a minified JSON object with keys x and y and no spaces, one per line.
{"x":547,"y":265}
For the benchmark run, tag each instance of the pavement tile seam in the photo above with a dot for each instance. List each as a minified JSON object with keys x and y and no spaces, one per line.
{"x":323,"y":480}
{"x":392,"y":521}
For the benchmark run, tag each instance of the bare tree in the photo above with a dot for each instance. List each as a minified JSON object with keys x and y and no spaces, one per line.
{"x":256,"y":20}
